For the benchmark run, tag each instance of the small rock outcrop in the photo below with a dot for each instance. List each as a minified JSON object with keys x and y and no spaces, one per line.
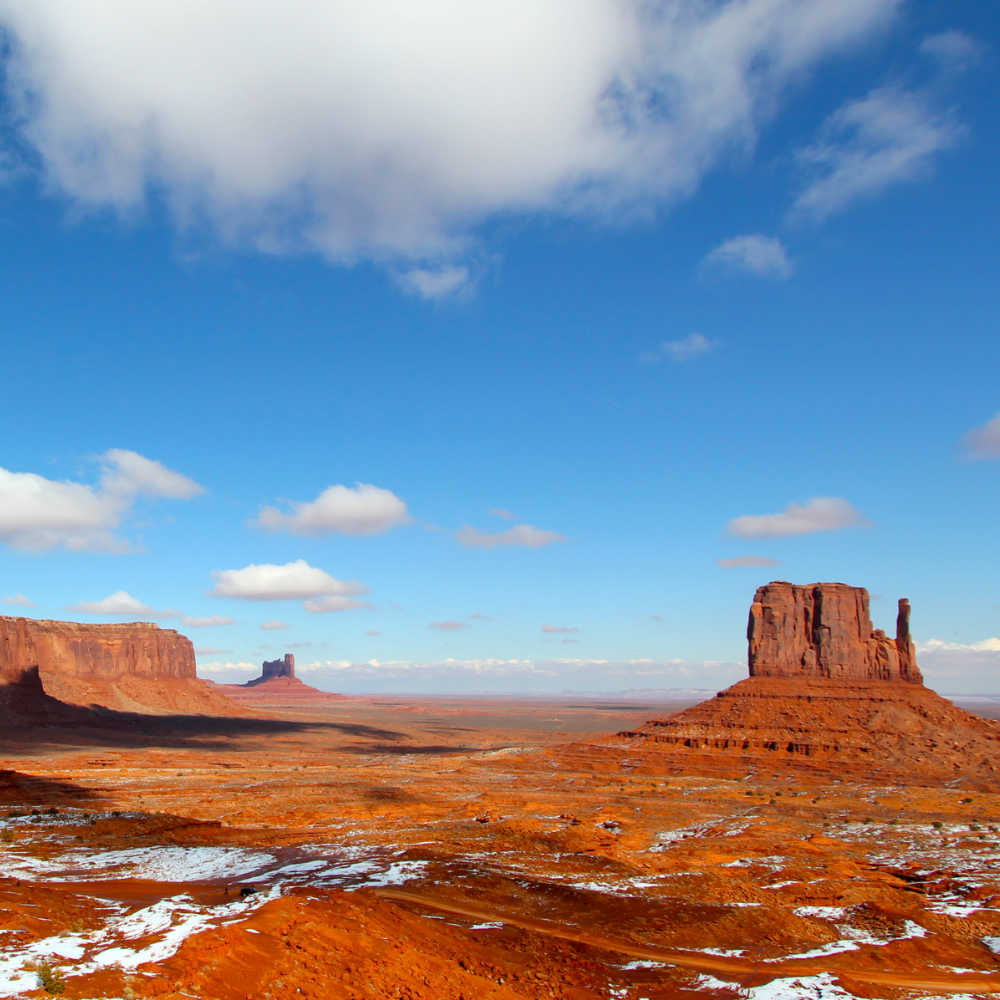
{"x":825,"y":630}
{"x":278,"y":668}
{"x":828,"y":693}
{"x":276,"y":686}
{"x":138,"y":667}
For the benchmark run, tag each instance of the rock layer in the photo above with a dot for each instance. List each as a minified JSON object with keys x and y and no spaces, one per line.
{"x":137,"y":667}
{"x":824,"y":630}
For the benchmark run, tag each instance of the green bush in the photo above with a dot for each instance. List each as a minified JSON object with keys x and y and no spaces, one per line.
{"x":49,"y":978}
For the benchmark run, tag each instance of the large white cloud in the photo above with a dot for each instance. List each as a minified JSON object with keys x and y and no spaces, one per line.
{"x":360,"y":510}
{"x":390,"y":128}
{"x":292,"y":581}
{"x":39,"y":513}
{"x":815,"y":515}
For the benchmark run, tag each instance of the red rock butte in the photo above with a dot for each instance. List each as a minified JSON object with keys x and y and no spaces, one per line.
{"x":276,"y":686}
{"x":829,"y":693}
{"x":138,"y":667}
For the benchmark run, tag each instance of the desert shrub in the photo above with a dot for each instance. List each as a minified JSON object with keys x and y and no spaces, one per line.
{"x":6,"y":836}
{"x":49,"y":978}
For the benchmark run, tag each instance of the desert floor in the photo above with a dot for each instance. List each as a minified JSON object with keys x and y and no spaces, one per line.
{"x":441,"y":849}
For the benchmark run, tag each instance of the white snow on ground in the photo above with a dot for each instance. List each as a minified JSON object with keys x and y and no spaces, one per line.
{"x":853,"y":939}
{"x":993,"y":943}
{"x":821,"y":987}
{"x":128,"y":940}
{"x":823,"y":912}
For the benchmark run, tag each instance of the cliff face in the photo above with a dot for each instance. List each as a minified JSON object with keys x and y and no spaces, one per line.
{"x":138,"y":667}
{"x":824,"y":630}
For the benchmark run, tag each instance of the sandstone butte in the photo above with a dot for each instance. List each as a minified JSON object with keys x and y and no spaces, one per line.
{"x":137,"y":667}
{"x":826,"y":691}
{"x":277,"y":686}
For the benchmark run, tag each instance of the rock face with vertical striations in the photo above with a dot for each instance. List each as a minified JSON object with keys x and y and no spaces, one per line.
{"x":825,"y":630}
{"x":133,"y":668}
{"x":829,"y":693}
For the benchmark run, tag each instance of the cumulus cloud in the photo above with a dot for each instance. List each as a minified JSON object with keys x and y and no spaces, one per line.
{"x":991,"y":645}
{"x":390,"y":130}
{"x":334,"y":602}
{"x":447,"y":626}
{"x":359,"y":510}
{"x":815,"y":515}
{"x":889,"y":136}
{"x":741,"y":562}
{"x":761,"y":255}
{"x":38,"y":513}
{"x":971,"y":667}
{"x":208,"y":621}
{"x":120,"y":604}
{"x":435,"y":283}
{"x":954,"y":50}
{"x":289,"y":582}
{"x":691,"y":346}
{"x":521,"y":535}
{"x":19,"y":600}
{"x":273,"y":626}
{"x":559,"y":628}
{"x":984,"y":442}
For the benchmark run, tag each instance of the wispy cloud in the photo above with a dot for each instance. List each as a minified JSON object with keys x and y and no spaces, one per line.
{"x":19,"y":600}
{"x":503,"y":513}
{"x":38,"y":513}
{"x":208,"y":621}
{"x":747,"y":562}
{"x":815,"y":515}
{"x":954,"y":50}
{"x":361,"y":509}
{"x":890,"y":136}
{"x":554,"y":629}
{"x":274,"y":626}
{"x":435,"y":283}
{"x":448,"y":626}
{"x":764,"y":256}
{"x":984,"y":442}
{"x":520,"y":536}
{"x":692,"y":346}
{"x":334,"y":602}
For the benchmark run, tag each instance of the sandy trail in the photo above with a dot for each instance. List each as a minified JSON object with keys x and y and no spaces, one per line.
{"x":964,"y":983}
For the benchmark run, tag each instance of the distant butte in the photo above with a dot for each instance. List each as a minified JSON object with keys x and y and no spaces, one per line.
{"x":128,"y":668}
{"x":828,"y":692}
{"x":276,"y":685}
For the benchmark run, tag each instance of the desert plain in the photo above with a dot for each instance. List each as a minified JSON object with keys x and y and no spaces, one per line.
{"x":393,"y":847}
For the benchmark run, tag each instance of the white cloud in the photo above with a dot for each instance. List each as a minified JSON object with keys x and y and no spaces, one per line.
{"x":208,"y":651}
{"x":435,"y":283}
{"x":984,"y":442}
{"x":747,"y":562}
{"x":762,"y":255}
{"x":273,"y":626}
{"x":209,"y":621}
{"x":521,"y":535}
{"x":19,"y":600}
{"x":889,"y":136}
{"x":691,"y":346}
{"x":502,"y":513}
{"x":120,"y":604}
{"x":559,"y":628}
{"x":289,"y":582}
{"x":815,"y":515}
{"x":38,"y":513}
{"x":447,"y":626}
{"x":955,"y":50}
{"x":335,"y":602}
{"x":389,"y":130}
{"x":991,"y":645}
{"x":360,"y":510}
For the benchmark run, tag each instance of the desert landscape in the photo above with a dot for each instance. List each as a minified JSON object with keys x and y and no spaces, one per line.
{"x":827,"y":828}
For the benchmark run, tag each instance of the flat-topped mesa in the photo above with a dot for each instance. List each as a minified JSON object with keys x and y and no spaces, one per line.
{"x":278,"y":668}
{"x":824,"y":630}
{"x":92,"y":652}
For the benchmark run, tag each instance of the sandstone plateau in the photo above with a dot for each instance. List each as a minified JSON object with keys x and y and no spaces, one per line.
{"x":129,"y":668}
{"x":827,"y":690}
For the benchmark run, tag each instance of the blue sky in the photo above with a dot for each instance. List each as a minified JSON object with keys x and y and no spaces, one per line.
{"x":592,"y":299}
